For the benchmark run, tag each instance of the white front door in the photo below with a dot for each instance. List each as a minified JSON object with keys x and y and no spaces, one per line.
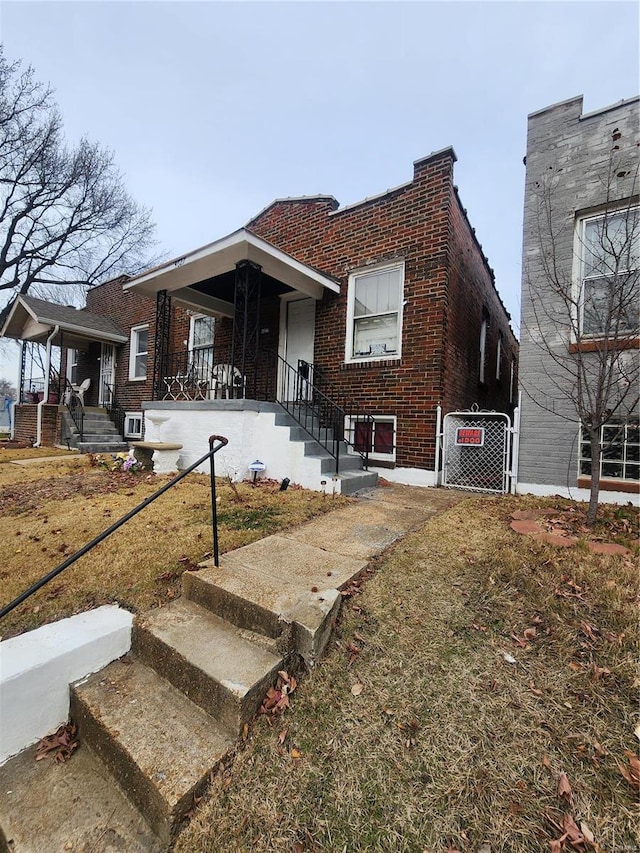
{"x":107,"y":373}
{"x":299,"y":336}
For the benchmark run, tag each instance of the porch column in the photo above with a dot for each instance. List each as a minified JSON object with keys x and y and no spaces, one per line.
{"x":161,"y":342}
{"x":246,"y":319}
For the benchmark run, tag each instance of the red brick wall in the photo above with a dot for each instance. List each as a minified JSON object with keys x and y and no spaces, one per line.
{"x":420,"y":223}
{"x":27,"y":424}
{"x":471,"y":292}
{"x":127,"y":309}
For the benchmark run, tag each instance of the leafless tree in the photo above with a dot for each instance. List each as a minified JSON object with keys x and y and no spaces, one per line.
{"x":586,"y":312}
{"x":65,"y":216}
{"x":7,"y":389}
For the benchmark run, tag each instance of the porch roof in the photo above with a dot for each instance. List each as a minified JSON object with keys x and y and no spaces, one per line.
{"x":178,"y":275}
{"x":32,"y":319}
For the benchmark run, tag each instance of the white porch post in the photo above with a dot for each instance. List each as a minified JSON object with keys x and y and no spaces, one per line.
{"x":45,"y":396}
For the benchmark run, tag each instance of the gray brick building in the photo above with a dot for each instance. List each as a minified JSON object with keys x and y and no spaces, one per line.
{"x":581,"y":196}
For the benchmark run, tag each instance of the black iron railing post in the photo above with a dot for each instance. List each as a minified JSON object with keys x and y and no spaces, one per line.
{"x":214,"y":502}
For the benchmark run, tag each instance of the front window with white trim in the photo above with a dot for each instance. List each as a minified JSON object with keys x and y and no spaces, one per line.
{"x":610,"y":263}
{"x":375,"y":436}
{"x":374,"y":313}
{"x":138,"y":352}
{"x":620,"y":451}
{"x":133,"y":425}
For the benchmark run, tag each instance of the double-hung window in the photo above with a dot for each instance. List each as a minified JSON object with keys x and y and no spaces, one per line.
{"x":374,"y":313}
{"x":138,"y":352}
{"x":609,"y":292}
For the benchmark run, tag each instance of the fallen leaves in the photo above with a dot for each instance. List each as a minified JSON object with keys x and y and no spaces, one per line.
{"x":277,"y":698}
{"x":60,"y":745}
{"x":631,"y":772}
{"x":564,"y":789}
{"x":357,"y":689}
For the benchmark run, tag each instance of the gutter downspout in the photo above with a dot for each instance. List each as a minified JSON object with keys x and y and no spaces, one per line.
{"x":45,"y":396}
{"x":19,"y":386}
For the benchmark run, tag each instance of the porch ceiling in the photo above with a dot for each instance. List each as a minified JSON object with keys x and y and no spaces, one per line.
{"x":179,"y":275}
{"x":33,"y":319}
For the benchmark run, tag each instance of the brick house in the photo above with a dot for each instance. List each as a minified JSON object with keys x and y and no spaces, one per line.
{"x":581,"y":247}
{"x":385,"y":309}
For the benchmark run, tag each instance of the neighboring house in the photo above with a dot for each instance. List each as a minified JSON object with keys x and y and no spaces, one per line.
{"x":581,"y":253}
{"x":381,"y":312}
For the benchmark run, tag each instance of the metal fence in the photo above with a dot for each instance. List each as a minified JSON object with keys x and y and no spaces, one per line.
{"x":476,"y":451}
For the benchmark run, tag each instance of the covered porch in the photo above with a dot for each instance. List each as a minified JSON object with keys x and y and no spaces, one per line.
{"x":44,"y":330}
{"x":263,"y":300}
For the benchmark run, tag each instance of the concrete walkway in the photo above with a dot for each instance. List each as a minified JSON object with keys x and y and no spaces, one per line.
{"x":198,"y":671}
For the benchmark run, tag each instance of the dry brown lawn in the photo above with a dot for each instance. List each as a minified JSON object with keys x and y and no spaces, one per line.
{"x":51,"y":509}
{"x":475,"y":668}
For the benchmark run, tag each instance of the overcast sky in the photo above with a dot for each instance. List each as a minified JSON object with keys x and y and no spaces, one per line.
{"x":215,"y":109}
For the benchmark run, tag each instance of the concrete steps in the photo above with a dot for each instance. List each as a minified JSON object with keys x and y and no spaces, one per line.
{"x":153,"y":725}
{"x":351,"y":477}
{"x":158,"y":745}
{"x":99,"y":435}
{"x":224,"y":672}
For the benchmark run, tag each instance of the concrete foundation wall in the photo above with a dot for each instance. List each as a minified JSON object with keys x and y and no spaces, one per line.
{"x":37,"y":668}
{"x":253,"y":434}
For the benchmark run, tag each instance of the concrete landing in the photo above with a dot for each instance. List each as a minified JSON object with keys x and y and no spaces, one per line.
{"x":67,"y":808}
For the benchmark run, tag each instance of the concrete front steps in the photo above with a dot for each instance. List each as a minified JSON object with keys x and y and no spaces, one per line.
{"x":99,"y":434}
{"x":155,"y":724}
{"x":164,"y":718}
{"x":351,"y":477}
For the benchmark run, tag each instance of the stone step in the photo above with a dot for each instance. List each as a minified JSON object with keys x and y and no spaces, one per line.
{"x":222,"y":669}
{"x":353,"y":481}
{"x":158,"y":745}
{"x":270,"y":587}
{"x":75,"y":806}
{"x":101,"y":437}
{"x":102,"y":447}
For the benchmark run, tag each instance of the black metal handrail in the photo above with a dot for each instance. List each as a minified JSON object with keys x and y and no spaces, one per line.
{"x":295,"y":390}
{"x":113,"y":408}
{"x":222,"y":441}
{"x":74,"y":407}
{"x":359,"y":431}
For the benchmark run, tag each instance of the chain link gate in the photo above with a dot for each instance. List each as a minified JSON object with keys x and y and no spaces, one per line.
{"x":476,"y":451}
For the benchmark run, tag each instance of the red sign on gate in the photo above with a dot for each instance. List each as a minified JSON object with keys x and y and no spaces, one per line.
{"x":470,"y":436}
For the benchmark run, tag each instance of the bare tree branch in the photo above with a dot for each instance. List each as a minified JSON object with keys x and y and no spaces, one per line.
{"x":65,"y":216}
{"x":585,"y":315}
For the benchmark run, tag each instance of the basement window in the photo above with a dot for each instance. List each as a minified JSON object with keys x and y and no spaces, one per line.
{"x":133,"y":425}
{"x":377,"y":437}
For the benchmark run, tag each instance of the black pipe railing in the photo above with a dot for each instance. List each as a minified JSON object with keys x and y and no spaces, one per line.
{"x":359,"y":424}
{"x":276,"y":380}
{"x":222,"y":441}
{"x":75,"y":408}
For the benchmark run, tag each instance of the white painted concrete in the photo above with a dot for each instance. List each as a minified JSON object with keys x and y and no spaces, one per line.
{"x":252,"y":433}
{"x":576,"y":494}
{"x":37,"y":668}
{"x":407,"y":476}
